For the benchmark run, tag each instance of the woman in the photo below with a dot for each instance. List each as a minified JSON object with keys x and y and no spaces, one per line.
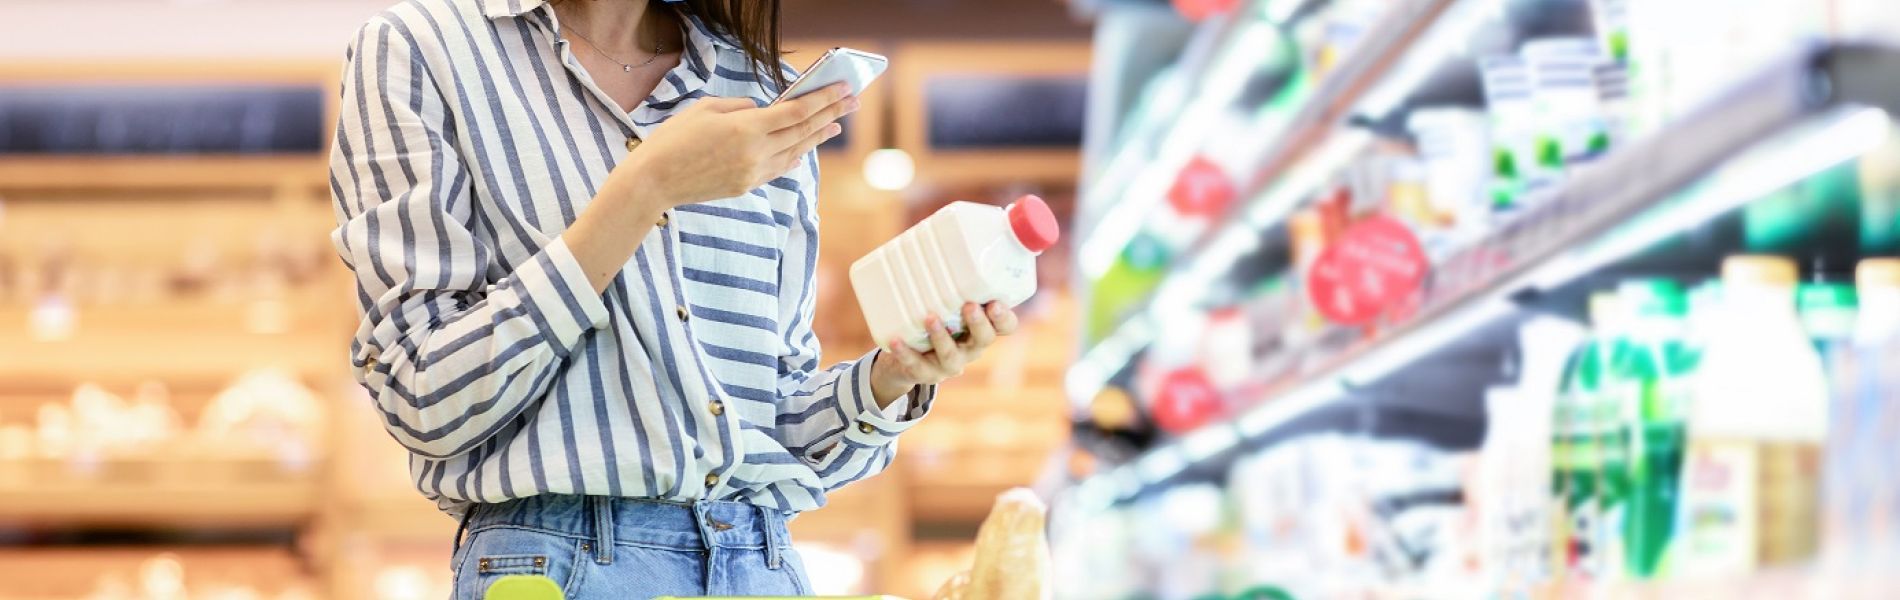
{"x":584,"y":249}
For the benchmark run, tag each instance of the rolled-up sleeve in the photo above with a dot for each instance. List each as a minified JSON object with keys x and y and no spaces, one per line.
{"x":829,"y":418}
{"x":453,"y":344}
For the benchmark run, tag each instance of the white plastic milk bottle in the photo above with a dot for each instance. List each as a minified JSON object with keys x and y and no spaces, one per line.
{"x":966,"y":252}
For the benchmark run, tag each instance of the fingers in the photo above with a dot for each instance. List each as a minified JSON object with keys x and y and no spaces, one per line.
{"x":789,"y":157}
{"x":797,"y":110}
{"x":790,"y":137}
{"x":1002,"y":318}
{"x":982,"y":332}
{"x":911,"y":360}
{"x":949,"y":356}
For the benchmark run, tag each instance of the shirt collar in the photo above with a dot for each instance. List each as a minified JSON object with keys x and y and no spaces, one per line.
{"x":495,"y":9}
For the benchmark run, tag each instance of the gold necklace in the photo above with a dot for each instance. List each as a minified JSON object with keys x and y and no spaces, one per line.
{"x":657,"y":50}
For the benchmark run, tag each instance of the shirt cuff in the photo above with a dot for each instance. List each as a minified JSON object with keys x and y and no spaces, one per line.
{"x":875,"y":425}
{"x":557,"y":295}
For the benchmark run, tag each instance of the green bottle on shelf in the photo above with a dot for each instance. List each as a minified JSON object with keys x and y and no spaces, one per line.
{"x":1652,"y":368}
{"x":1130,"y":279}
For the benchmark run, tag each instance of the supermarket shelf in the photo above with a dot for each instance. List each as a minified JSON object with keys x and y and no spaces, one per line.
{"x":1162,"y":128}
{"x":1604,"y":212}
{"x":146,"y":173}
{"x":1306,"y":134}
{"x":283,"y":503}
{"x":1328,"y":105}
{"x":1796,"y":87}
{"x":180,"y":341}
{"x":205,"y":571}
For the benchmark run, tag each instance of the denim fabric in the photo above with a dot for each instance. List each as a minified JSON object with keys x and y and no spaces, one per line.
{"x":620,"y":548}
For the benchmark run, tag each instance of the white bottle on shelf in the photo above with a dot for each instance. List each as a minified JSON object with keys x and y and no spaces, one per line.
{"x":1750,"y":482}
{"x":965,"y":252}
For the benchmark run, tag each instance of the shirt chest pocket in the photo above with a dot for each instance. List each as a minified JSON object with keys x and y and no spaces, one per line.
{"x":731,"y":248}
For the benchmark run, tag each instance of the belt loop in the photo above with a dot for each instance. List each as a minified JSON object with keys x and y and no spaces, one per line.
{"x":774,"y":525}
{"x":702,"y":520}
{"x":603,"y":529}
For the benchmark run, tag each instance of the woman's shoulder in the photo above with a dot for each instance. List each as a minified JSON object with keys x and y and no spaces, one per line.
{"x":424,"y":23}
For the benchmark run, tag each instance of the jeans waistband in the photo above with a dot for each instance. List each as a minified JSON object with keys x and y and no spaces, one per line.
{"x":697,"y":525}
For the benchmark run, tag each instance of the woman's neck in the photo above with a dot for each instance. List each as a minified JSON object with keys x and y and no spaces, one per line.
{"x":628,"y":26}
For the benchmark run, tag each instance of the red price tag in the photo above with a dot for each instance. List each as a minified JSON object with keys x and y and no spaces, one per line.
{"x":1187,"y":400}
{"x":1197,"y":10}
{"x":1375,"y":267}
{"x":1201,"y":189}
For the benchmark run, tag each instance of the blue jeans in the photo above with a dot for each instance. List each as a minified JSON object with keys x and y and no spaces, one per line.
{"x":621,"y":548}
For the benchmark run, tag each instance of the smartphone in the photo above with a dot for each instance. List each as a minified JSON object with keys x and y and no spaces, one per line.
{"x":839,"y":65}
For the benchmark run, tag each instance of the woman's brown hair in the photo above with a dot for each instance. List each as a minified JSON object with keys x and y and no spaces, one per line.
{"x":753,"y":24}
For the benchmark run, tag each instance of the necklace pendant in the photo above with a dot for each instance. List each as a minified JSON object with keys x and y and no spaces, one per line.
{"x":626,"y":68}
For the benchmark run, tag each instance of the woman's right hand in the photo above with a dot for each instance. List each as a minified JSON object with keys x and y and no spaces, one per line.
{"x":725,"y":147}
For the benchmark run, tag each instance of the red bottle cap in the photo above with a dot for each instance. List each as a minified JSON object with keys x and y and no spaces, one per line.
{"x":1034,"y":224}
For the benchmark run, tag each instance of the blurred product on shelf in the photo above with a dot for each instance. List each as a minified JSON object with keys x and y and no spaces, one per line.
{"x":1756,"y":426}
{"x":121,"y":574}
{"x":1322,"y":516}
{"x":1012,"y":554}
{"x":1861,"y":517}
{"x":266,"y":424}
{"x":1516,"y":463}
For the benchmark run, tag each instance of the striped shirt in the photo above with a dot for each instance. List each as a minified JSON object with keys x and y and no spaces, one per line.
{"x":469,"y":138}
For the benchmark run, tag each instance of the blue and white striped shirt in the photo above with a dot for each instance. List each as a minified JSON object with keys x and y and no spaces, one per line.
{"x":468,"y":140}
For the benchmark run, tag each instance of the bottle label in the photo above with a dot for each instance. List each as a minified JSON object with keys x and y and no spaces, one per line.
{"x":1720,"y":505}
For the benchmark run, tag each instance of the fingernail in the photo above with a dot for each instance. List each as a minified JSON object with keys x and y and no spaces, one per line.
{"x":853,"y":103}
{"x":834,"y":130}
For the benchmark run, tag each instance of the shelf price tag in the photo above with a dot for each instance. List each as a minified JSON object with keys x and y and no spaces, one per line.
{"x":1187,"y":400}
{"x":1374,"y":268}
{"x":1202,"y":189}
{"x":1199,"y":10}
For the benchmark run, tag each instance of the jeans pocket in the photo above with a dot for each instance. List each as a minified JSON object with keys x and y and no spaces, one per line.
{"x":494,"y":553}
{"x":794,"y":567}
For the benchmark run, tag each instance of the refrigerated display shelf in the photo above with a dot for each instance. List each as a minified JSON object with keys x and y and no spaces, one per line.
{"x":1337,"y":93}
{"x":1813,"y":108}
{"x":1301,"y":136}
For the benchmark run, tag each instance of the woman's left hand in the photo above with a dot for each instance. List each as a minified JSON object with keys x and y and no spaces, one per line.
{"x":907,"y":368}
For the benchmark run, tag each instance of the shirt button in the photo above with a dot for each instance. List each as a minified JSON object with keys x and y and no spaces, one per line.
{"x":633,"y":143}
{"x":681,"y":311}
{"x":717,"y":408}
{"x":864,"y":427}
{"x":663,"y":220}
{"x":712,"y":480}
